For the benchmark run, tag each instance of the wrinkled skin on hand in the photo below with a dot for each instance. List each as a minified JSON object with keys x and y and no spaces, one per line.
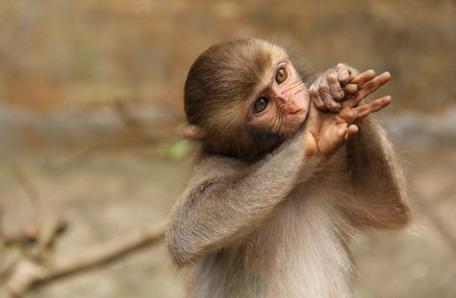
{"x":337,"y":108}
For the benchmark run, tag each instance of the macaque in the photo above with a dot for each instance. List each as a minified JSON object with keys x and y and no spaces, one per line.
{"x":288,"y":171}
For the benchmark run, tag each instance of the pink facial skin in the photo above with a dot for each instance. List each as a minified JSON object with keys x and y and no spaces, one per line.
{"x":287,"y":103}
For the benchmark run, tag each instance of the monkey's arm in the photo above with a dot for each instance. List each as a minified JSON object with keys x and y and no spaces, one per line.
{"x":378,"y":181}
{"x":224,"y":202}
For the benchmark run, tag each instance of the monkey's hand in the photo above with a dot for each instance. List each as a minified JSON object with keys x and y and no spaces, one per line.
{"x":326,"y":132}
{"x":332,"y":87}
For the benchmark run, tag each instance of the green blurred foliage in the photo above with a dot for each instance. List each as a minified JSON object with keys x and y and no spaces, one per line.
{"x":177,"y":150}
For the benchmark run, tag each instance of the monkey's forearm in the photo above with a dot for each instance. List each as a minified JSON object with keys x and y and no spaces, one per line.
{"x":377,"y":179}
{"x":220,"y":211}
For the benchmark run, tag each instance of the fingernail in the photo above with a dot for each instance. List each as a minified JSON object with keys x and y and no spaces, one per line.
{"x":332,"y":76}
{"x":351,"y":88}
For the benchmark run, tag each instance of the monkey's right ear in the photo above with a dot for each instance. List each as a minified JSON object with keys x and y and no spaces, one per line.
{"x":192,"y":132}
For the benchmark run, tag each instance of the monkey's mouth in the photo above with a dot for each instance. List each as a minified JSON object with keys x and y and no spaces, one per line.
{"x":297,"y":111}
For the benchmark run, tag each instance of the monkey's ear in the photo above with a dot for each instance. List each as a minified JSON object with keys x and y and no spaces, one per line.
{"x":192,"y":132}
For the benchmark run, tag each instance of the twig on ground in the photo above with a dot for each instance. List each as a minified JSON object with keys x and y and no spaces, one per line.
{"x":30,"y":274}
{"x":26,"y":236}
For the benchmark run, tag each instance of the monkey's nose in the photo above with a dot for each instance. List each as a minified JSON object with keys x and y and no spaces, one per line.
{"x":282,"y":99}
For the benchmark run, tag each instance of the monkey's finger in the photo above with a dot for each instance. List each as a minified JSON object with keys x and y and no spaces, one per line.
{"x":335,"y":86}
{"x":360,"y":121}
{"x":343,"y":74}
{"x":351,"y":131}
{"x":363,"y":77}
{"x":325,"y":94}
{"x":349,"y":115}
{"x":370,"y":87}
{"x":341,"y":132}
{"x":350,"y":89}
{"x":352,"y":73}
{"x":315,"y":96}
{"x":373,"y":106}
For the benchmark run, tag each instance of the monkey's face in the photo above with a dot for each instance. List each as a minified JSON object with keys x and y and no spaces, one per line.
{"x":281,"y":102}
{"x":243,"y":98}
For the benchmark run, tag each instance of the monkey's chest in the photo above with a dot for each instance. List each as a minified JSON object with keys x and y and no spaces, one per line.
{"x":296,"y":253}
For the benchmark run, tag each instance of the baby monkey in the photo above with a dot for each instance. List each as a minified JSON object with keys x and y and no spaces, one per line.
{"x":286,"y":174}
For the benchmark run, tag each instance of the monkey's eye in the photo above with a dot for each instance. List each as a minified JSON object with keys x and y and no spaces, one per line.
{"x":260,"y":104}
{"x":281,"y":75}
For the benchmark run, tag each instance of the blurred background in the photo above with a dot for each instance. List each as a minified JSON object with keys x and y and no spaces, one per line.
{"x":91,"y":99}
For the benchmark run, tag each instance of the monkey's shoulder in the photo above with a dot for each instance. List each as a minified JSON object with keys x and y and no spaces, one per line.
{"x":218,"y":163}
{"x":211,"y":166}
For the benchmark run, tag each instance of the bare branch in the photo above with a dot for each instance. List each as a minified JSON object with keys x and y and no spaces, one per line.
{"x":28,"y":235}
{"x":29,"y":275}
{"x":48,"y":236}
{"x":106,"y":254}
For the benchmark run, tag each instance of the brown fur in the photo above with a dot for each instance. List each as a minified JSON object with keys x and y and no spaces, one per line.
{"x":222,"y":77}
{"x":280,"y":226}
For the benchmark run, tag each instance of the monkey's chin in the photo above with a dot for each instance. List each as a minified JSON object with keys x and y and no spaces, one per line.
{"x":301,"y":121}
{"x":295,"y":124}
